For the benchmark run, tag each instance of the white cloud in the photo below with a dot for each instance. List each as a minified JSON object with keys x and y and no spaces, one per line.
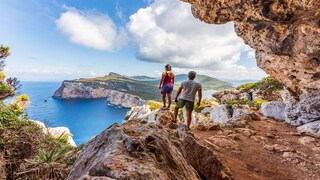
{"x":251,"y":53}
{"x":237,"y":72}
{"x":91,"y":29}
{"x":167,"y":32}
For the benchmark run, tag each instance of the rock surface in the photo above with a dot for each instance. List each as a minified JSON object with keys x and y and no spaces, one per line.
{"x":227,"y":115}
{"x":56,"y":132}
{"x":220,"y":114}
{"x":140,"y":150}
{"x":273,"y":109}
{"x":70,"y":90}
{"x":286,"y":37}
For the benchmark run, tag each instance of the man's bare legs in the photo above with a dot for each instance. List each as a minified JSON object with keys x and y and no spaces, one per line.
{"x":175,"y":112}
{"x":189,"y":115}
{"x":169,"y":100}
{"x":164,"y":100}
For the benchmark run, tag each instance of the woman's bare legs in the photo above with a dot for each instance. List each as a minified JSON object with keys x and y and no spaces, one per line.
{"x":169,"y":100}
{"x":164,"y":100}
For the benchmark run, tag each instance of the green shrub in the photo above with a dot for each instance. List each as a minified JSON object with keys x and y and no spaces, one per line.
{"x":22,"y":97}
{"x":258,"y":103}
{"x":5,"y":89}
{"x":232,"y":102}
{"x":9,"y":113}
{"x":180,"y":114}
{"x":248,"y":86}
{"x":204,"y":103}
{"x":154,"y":105}
{"x":267,"y":83}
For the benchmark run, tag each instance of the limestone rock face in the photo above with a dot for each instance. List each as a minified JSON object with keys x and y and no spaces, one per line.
{"x":286,"y":37}
{"x":56,"y":132}
{"x":220,"y":114}
{"x":273,"y":109}
{"x":227,"y":115}
{"x":140,"y":150}
{"x":71,"y":90}
{"x":118,"y":98}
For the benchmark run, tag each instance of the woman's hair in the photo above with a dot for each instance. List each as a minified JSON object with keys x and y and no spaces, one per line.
{"x":168,"y":66}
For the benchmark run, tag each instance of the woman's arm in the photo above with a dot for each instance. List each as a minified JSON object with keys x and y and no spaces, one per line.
{"x":162,"y":79}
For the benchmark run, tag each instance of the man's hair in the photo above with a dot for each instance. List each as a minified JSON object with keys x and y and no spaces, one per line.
{"x":192,"y":74}
{"x":168,"y":66}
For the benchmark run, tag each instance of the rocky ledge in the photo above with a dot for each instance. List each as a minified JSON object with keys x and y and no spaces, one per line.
{"x":72,"y":90}
{"x":141,"y":150}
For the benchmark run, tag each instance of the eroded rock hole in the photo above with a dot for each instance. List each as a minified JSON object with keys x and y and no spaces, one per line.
{"x":316,"y":76}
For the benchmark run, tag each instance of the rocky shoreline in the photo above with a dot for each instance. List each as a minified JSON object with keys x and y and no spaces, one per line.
{"x":73,"y":90}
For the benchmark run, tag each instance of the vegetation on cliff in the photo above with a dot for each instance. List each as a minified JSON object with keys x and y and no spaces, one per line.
{"x":143,"y":86}
{"x":266,"y":84}
{"x":26,"y":152}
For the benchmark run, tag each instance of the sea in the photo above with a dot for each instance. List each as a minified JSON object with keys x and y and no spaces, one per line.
{"x":84,"y":117}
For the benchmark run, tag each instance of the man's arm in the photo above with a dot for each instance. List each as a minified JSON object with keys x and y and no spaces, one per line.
{"x":162,"y":79}
{"x":177,"y":95}
{"x":199,"y":96}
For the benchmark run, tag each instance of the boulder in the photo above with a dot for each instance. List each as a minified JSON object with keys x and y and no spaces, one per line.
{"x":56,"y":132}
{"x":273,"y":109}
{"x":141,"y":113}
{"x":207,"y":110}
{"x":229,"y":97}
{"x":240,"y":112}
{"x":139,"y":150}
{"x":312,"y":128}
{"x":164,"y":117}
{"x":201,"y":157}
{"x":232,"y":115}
{"x":221,"y":114}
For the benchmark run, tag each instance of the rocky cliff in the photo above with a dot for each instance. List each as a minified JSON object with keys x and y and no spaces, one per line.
{"x":141,"y":150}
{"x":286,"y":37}
{"x":72,"y":89}
{"x":244,"y":146}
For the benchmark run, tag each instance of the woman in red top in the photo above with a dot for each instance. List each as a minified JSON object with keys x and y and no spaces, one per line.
{"x":166,"y":86}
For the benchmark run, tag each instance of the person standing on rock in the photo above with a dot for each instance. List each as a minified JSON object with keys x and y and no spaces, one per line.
{"x":166,"y":86}
{"x":189,"y":89}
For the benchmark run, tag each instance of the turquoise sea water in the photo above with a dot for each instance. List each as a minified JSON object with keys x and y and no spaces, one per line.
{"x":84,"y":117}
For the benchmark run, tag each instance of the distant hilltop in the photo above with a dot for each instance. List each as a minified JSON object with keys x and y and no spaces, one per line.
{"x":127,"y":91}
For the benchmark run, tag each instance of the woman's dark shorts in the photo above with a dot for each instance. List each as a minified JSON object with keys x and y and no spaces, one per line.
{"x":167,"y":89}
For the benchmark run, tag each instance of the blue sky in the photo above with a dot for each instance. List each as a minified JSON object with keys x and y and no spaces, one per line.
{"x":57,"y":40}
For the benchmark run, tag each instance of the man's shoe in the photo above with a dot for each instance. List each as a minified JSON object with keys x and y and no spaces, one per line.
{"x":173,"y":121}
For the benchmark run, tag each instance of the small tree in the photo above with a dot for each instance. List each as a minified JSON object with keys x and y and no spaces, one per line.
{"x":8,"y":86}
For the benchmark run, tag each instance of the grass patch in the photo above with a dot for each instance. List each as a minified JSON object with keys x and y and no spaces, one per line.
{"x":31,"y":153}
{"x":267,"y":83}
{"x":255,"y":104}
{"x":154,"y":105}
